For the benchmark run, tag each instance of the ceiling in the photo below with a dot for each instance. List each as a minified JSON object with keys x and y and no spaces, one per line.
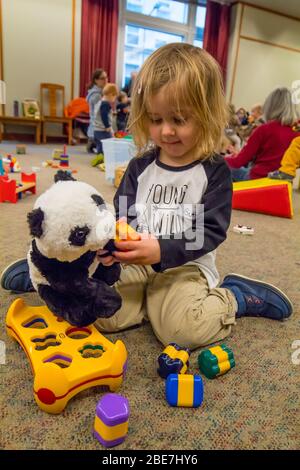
{"x":288,"y":7}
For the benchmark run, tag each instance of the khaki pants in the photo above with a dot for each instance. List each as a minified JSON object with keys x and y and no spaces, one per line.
{"x":177,"y":303}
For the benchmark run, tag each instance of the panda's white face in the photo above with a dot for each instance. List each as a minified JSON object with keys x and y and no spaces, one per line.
{"x":74,"y":221}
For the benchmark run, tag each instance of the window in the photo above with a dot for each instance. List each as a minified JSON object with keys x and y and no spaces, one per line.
{"x":200,"y":22}
{"x":146,"y":41}
{"x":166,"y":9}
{"x":132,"y":36}
{"x":146,"y":25}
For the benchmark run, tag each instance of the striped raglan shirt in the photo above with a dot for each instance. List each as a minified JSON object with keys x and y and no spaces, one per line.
{"x":188,"y":208}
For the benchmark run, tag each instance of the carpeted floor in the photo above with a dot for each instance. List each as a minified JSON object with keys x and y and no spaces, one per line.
{"x":255,"y":406}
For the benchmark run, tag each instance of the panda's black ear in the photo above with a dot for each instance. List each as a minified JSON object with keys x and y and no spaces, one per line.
{"x":98,"y":200}
{"x":63,"y":176}
{"x":35,"y":219}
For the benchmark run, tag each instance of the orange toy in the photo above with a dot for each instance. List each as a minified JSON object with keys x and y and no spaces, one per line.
{"x":125,"y":233}
{"x":264,"y":195}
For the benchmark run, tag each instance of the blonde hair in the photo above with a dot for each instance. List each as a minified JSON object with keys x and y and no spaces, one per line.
{"x":193,"y":80}
{"x":279,"y":107}
{"x":110,"y":89}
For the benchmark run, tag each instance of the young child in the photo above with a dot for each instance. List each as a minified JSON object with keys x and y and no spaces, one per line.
{"x":177,"y":194}
{"x":122,"y":111}
{"x":98,"y":82}
{"x":103,"y":115}
{"x":289,"y":163}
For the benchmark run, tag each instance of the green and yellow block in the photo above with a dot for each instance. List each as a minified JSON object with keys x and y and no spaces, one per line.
{"x":216,"y":361}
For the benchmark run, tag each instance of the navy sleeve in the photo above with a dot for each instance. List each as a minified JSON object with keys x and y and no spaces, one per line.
{"x":211,"y":231}
{"x":104,"y":112}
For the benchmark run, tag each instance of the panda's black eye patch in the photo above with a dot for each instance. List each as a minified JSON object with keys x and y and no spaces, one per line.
{"x":99,"y":201}
{"x":78,"y":235}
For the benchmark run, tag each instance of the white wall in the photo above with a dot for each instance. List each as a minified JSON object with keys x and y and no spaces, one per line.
{"x":37,"y":47}
{"x":261,"y":67}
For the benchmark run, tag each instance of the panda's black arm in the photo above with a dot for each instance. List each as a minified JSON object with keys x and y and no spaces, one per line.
{"x":108,"y":274}
{"x":98,"y":301}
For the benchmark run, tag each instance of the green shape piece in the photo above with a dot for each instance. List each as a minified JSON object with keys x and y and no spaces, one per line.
{"x":208,"y":362}
{"x":90,"y":346}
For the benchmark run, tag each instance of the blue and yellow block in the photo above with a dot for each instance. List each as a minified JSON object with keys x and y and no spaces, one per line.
{"x":173,"y":360}
{"x":216,"y":361}
{"x":184,"y":390}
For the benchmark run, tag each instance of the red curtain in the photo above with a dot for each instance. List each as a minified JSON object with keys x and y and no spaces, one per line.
{"x":99,"y":31}
{"x":216,"y":32}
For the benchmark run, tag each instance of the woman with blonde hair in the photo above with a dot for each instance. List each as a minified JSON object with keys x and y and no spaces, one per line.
{"x":268,"y":142}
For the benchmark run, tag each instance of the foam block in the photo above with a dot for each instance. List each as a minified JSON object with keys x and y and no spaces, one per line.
{"x":264,"y":195}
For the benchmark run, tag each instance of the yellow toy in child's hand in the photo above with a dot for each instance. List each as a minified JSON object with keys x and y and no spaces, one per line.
{"x":64,"y":359}
{"x":125,"y":233}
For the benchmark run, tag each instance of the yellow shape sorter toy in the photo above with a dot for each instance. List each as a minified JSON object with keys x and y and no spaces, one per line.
{"x":64,"y":359}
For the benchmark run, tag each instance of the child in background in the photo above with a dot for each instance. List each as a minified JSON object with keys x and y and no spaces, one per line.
{"x":267,"y":143}
{"x":98,"y":82}
{"x":242,"y":115}
{"x":103,"y":115}
{"x":122,"y":111}
{"x":177,"y":194}
{"x":289,"y":163}
{"x":256,"y":115}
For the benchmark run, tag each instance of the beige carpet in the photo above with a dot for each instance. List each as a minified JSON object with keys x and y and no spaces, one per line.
{"x":255,"y":406}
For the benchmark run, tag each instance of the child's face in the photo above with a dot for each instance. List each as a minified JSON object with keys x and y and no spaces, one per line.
{"x":175,"y":134}
{"x":111,"y":98}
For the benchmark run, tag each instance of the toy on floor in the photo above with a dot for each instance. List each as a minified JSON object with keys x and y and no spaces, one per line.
{"x":243,"y":229}
{"x":50,"y":163}
{"x":216,"y":361}
{"x":13,"y":164}
{"x":11,"y":191}
{"x":64,"y":360}
{"x":64,"y":159}
{"x":111,"y":420}
{"x":120,"y":134}
{"x":56,"y":153}
{"x":2,"y":171}
{"x":184,"y":390}
{"x":264,"y":195}
{"x":173,"y":360}
{"x":21,"y":149}
{"x":68,"y":224}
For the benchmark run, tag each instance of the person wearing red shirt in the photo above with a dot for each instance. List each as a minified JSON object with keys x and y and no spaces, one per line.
{"x":268,"y":142}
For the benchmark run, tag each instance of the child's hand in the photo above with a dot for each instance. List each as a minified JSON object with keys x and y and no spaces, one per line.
{"x":105,"y":260}
{"x":145,"y":251}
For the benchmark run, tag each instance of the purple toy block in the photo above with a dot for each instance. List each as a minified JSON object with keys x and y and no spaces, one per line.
{"x":111,"y":412}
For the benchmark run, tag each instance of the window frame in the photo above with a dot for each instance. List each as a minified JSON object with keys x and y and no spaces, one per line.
{"x":187,"y":31}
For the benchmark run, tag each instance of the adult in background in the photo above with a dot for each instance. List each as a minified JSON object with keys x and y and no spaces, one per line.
{"x":268,"y":142}
{"x":98,"y":81}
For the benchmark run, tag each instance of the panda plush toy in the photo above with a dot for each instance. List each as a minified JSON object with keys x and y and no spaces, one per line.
{"x":69,"y":223}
